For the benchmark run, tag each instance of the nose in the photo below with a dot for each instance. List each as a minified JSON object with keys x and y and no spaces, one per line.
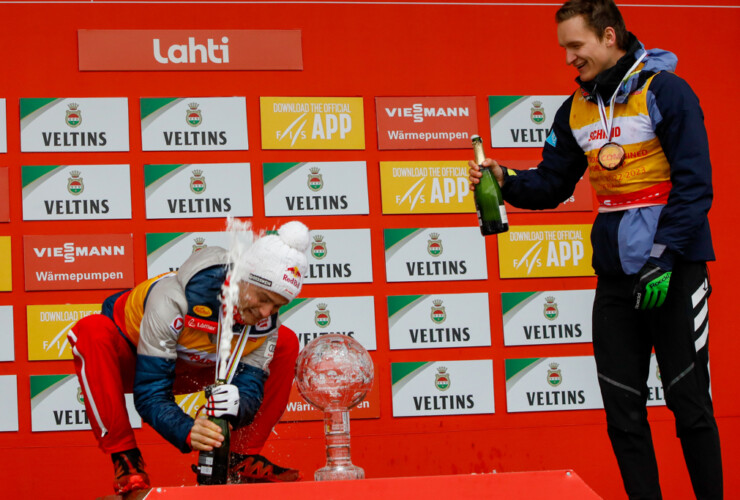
{"x":570,"y":57}
{"x":265,"y":310}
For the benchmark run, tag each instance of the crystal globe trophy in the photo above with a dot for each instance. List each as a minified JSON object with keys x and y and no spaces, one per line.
{"x":334,"y":373}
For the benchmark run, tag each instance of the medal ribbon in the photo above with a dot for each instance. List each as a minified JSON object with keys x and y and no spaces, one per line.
{"x":608,"y":120}
{"x":236,"y":354}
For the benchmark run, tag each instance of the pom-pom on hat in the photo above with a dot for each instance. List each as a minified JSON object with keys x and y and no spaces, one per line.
{"x":277,"y":262}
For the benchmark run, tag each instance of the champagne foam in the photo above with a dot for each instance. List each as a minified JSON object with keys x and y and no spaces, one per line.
{"x":241,"y":238}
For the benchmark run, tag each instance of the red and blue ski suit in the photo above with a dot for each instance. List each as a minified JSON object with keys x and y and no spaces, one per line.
{"x":159,"y":339}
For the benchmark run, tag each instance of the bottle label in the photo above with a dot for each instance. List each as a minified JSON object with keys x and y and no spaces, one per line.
{"x":502,"y":211}
{"x":206,"y":470}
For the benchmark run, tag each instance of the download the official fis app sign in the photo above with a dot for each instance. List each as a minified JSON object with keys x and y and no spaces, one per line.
{"x":545,"y":251}
{"x":410,"y":187}
{"x":48,"y":326}
{"x":312,"y":123}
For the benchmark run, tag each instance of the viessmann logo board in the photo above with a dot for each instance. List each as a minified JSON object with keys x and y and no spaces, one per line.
{"x":425,"y":122}
{"x":189,"y":50}
{"x":78,"y":261}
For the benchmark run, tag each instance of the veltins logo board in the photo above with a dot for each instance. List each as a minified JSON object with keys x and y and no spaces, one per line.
{"x":339,"y":256}
{"x":315,"y":188}
{"x":4,"y":195}
{"x":582,"y":199}
{"x":522,"y":121}
{"x":442,"y":388}
{"x":310,"y":318}
{"x":9,"y":415}
{"x":76,"y":192}
{"x":438,"y":321}
{"x":194,"y":124}
{"x":563,"y":383}
{"x":198,"y":190}
{"x":57,"y":404}
{"x":166,"y":252}
{"x":7,"y":335}
{"x":435,"y":254}
{"x":3,"y":127}
{"x":550,"y":317}
{"x":87,"y":124}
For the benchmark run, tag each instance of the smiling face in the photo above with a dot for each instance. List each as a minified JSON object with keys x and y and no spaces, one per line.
{"x":256,"y":303}
{"x":585,"y":51}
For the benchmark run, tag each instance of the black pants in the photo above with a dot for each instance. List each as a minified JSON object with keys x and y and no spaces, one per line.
{"x":623,"y":341}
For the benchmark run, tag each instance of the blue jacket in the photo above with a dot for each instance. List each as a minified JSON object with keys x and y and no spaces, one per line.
{"x":623,"y":241}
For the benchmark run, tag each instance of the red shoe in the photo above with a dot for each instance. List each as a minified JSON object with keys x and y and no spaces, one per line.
{"x":129,"y":469}
{"x":258,"y":469}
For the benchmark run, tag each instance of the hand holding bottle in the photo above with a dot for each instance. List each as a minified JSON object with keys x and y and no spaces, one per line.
{"x":205,"y":435}
{"x":474,"y":174}
{"x":489,"y":202}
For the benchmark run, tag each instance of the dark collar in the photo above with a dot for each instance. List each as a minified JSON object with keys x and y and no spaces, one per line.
{"x":607,"y":81}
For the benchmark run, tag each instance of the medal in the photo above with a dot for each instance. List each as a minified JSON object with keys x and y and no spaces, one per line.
{"x":611,"y":156}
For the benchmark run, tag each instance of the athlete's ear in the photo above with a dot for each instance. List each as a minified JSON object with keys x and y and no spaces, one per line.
{"x":610,"y":37}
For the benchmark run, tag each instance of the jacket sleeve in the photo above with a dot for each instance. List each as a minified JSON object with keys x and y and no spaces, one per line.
{"x":555,"y":178}
{"x":155,"y":400}
{"x":679,"y":125}
{"x":155,"y":364}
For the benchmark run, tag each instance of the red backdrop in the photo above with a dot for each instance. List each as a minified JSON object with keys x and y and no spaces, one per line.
{"x":365,"y":50}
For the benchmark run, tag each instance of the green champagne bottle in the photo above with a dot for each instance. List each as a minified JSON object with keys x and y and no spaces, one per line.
{"x":213,"y":466}
{"x":489,"y":203}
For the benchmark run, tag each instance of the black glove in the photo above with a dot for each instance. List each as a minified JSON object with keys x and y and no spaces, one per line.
{"x":651,"y":287}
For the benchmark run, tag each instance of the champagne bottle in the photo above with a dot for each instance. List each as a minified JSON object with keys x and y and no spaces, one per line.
{"x":213,"y":466}
{"x":489,"y":203}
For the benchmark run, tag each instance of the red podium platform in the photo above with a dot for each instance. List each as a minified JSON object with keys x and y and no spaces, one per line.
{"x":544,"y":485}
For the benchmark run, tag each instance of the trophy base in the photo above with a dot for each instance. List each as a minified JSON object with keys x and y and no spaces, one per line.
{"x":339,"y":473}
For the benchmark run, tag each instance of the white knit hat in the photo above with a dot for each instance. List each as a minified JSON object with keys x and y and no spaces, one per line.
{"x":277,"y":262}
